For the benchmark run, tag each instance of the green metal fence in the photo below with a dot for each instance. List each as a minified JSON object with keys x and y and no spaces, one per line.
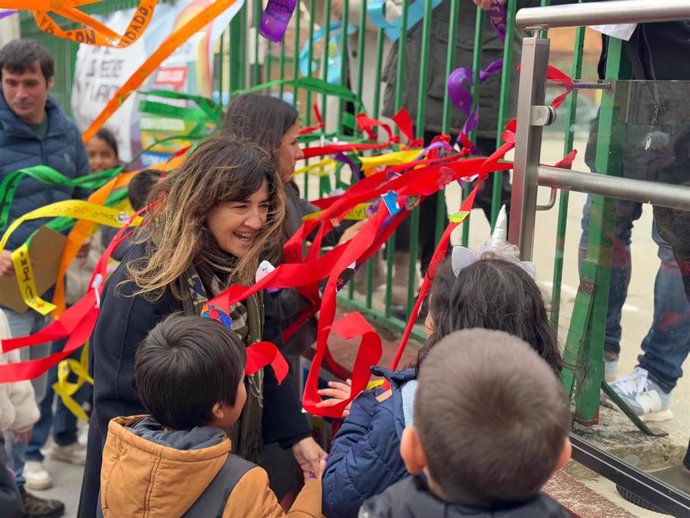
{"x":373,"y":48}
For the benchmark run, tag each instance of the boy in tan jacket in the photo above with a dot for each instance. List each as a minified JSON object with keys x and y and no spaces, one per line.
{"x":177,"y":463}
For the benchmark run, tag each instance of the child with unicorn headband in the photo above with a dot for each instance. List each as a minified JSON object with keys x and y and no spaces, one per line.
{"x":488,"y":288}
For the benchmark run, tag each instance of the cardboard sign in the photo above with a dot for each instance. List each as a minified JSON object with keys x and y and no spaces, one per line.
{"x":45,"y":252}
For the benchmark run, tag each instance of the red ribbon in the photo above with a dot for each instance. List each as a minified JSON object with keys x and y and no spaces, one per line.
{"x":368,"y":125}
{"x":320,"y":124}
{"x":77,"y":323}
{"x":262,"y":354}
{"x":438,"y":257}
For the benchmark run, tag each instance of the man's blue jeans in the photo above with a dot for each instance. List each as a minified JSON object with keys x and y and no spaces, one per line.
{"x":668,"y":341}
{"x":63,"y":423}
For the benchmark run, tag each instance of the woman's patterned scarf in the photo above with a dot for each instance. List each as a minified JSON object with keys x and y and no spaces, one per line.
{"x":205,"y":279}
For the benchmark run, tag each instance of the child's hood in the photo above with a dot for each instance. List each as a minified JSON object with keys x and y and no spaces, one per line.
{"x":149,"y":472}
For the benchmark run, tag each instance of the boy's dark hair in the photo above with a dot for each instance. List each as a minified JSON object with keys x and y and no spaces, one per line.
{"x":140,"y":187}
{"x":491,"y":293}
{"x":18,"y":56}
{"x":492,"y":418}
{"x":186,"y":365}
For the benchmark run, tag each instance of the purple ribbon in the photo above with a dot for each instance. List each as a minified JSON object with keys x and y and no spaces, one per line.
{"x":275,"y":19}
{"x":498,"y":19}
{"x":5,"y":14}
{"x":460,"y":80}
{"x":459,"y":91}
{"x":342,"y":157}
{"x":430,"y":147}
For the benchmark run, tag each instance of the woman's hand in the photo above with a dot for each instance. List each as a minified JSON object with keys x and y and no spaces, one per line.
{"x":309,"y":456}
{"x":337,"y":393}
{"x":351,"y":232}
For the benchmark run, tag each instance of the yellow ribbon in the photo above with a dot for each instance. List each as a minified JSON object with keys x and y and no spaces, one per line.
{"x":27,"y":284}
{"x":373,"y":384}
{"x":72,"y":209}
{"x":20,"y":257}
{"x":66,"y":389}
{"x":459,"y":217}
{"x":369,"y":163}
{"x":320,"y":165}
{"x":357,"y":214}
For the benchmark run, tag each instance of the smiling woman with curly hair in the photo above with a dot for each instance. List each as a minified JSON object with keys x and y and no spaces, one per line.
{"x":208,"y":224}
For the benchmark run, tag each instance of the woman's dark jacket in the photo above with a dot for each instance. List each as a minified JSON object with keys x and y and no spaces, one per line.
{"x":122,"y":325}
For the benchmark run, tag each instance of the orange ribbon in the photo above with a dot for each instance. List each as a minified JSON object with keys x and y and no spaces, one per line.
{"x":172,"y":42}
{"x":94,"y":32}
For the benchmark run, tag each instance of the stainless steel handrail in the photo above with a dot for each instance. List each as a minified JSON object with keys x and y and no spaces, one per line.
{"x":603,"y":13}
{"x":656,"y":193}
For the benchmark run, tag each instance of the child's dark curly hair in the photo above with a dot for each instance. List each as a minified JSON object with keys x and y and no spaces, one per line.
{"x":491,"y":293}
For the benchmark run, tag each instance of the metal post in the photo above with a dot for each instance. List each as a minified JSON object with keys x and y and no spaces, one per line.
{"x":603,"y":13}
{"x":535,"y":60}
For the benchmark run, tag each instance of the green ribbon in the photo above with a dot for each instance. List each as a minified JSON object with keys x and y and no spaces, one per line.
{"x":206,"y":115}
{"x":312,"y":84}
{"x":48,"y":176}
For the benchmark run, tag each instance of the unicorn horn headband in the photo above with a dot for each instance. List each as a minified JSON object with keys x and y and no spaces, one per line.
{"x":497,"y":245}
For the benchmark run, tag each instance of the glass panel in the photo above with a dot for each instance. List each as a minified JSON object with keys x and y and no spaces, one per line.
{"x":640,"y":130}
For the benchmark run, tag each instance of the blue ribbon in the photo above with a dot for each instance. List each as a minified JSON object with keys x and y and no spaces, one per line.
{"x":415,"y":12}
{"x":332,"y":53}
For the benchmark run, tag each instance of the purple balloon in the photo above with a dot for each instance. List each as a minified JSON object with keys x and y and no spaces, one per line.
{"x":275,"y":19}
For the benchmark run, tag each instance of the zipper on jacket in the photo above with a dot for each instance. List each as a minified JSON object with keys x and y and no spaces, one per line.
{"x":655,"y":91}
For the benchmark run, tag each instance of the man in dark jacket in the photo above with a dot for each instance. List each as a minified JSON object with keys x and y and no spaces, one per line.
{"x":651,"y":136}
{"x":33,"y":131}
{"x":435,"y":91}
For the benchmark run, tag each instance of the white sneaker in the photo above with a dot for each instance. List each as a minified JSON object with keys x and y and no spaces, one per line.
{"x":644,"y":396}
{"x":37,"y":477}
{"x":73,"y":453}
